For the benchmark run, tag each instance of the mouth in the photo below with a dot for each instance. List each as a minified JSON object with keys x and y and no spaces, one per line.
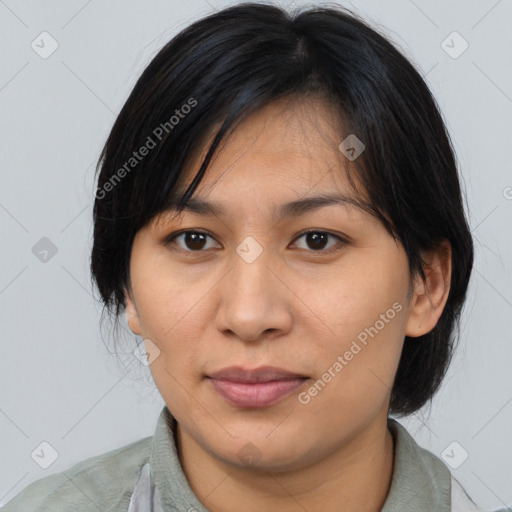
{"x":255,"y":388}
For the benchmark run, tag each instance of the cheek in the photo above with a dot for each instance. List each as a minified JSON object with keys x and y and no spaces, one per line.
{"x":168,"y":298}
{"x":352,"y":298}
{"x":362,"y":311}
{"x":177,"y":370}
{"x":357,"y":366}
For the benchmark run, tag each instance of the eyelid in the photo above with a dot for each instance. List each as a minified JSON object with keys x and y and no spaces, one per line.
{"x":343,"y":240}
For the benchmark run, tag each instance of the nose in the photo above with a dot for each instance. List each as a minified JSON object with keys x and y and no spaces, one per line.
{"x":254,"y":301}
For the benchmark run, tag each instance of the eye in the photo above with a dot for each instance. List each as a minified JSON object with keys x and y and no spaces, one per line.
{"x":317,"y":240}
{"x":194,"y":241}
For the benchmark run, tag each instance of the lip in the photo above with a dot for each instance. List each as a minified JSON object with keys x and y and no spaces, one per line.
{"x":256,"y":375}
{"x":255,"y":388}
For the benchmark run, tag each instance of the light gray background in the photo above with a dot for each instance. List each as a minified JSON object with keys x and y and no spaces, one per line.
{"x":59,"y":383}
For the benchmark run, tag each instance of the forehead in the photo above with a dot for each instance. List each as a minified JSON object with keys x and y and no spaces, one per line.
{"x":284,"y":156}
{"x":290,"y":144}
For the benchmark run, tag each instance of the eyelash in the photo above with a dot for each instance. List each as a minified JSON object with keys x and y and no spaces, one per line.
{"x":171,"y":238}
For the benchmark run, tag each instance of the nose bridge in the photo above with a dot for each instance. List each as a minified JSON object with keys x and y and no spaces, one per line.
{"x":251,"y":276}
{"x":252,"y":298}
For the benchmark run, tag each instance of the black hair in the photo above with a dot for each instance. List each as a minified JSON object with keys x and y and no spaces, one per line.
{"x":227,"y":65}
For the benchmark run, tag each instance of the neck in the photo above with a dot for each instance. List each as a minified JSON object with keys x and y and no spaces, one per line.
{"x":356,"y":476}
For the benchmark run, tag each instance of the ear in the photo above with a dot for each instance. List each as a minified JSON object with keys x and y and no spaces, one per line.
{"x":132,"y":315}
{"x":429,"y":298}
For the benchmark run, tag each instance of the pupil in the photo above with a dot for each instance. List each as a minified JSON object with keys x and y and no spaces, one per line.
{"x":194,"y":238}
{"x":314,"y":238}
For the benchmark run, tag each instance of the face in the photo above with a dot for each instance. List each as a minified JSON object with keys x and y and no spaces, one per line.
{"x":320,"y":292}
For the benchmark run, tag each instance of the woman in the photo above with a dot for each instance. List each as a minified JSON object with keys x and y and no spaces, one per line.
{"x":278,"y":213}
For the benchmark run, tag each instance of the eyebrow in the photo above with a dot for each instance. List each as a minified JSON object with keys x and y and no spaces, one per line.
{"x":292,"y":208}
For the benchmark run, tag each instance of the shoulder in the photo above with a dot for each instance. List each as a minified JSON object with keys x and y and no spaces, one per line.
{"x":461,"y":502}
{"x":416,"y":467}
{"x":103,"y":482}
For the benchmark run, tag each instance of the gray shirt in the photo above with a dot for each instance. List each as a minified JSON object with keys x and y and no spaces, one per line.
{"x":147,"y":476}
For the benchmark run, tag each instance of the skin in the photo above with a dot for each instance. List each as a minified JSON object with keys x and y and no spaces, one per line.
{"x":293,"y":307}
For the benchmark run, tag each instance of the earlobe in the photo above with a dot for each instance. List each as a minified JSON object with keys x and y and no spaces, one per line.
{"x":429,"y":297}
{"x":132,"y":315}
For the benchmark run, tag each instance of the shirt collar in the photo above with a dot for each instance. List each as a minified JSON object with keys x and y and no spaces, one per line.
{"x":420,"y":481}
{"x":166,"y":471}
